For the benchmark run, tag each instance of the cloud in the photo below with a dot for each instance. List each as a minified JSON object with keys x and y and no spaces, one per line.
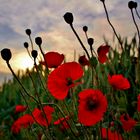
{"x":45,"y":18}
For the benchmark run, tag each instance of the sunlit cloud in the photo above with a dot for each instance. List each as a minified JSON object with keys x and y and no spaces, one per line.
{"x":45,"y":18}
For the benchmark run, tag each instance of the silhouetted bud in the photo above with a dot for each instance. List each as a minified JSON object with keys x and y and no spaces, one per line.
{"x":68,"y":17}
{"x":131,"y":4}
{"x":38,"y":41}
{"x":83,"y":60}
{"x":102,"y":0}
{"x":28,"y":32}
{"x":85,"y":28}
{"x":34,"y":54}
{"x":6,"y":54}
{"x":90,"y":41}
{"x":26,"y":45}
{"x":135,"y":5}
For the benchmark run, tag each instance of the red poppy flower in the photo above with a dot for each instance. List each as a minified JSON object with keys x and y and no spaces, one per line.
{"x":119,"y":82}
{"x":102,"y":59}
{"x":41,"y":118}
{"x":53,"y":59}
{"x":92,"y":106}
{"x":127,"y":122}
{"x":20,"y":108}
{"x":138,"y":103}
{"x":62,"y":122}
{"x":83,"y":61}
{"x":102,"y":51}
{"x":22,"y":122}
{"x":107,"y":133}
{"x":62,"y":79}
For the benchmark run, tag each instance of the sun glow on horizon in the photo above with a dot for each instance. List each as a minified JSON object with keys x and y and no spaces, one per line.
{"x":22,"y":61}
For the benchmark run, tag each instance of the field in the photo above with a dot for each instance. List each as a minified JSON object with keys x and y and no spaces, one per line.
{"x":93,"y":98}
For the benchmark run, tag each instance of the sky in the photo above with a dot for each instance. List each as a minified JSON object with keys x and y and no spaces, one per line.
{"x":45,"y":19}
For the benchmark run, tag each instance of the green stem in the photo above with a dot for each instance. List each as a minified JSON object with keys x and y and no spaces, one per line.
{"x":21,"y":83}
{"x":112,"y":26}
{"x":63,"y":116}
{"x":80,"y":41}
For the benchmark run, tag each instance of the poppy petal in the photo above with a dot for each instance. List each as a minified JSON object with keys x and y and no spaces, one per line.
{"x":118,"y":82}
{"x":92,"y":106}
{"x":53,"y":59}
{"x":62,"y":79}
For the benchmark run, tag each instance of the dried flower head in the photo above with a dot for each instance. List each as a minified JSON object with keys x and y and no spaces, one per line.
{"x":38,"y":41}
{"x":6,"y":54}
{"x":68,"y":17}
{"x":28,"y":32}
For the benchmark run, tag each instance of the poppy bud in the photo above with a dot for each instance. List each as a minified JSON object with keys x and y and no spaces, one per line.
{"x":90,"y":41}
{"x":6,"y":54}
{"x":83,"y":60}
{"x":34,"y":54}
{"x":26,"y":45}
{"x":68,"y":17}
{"x":131,"y":4}
{"x":38,"y":41}
{"x":135,"y":5}
{"x":102,"y":0}
{"x":85,"y":28}
{"x":28,"y":32}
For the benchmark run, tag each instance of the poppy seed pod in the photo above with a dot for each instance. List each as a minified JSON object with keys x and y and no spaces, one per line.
{"x":131,"y":4}
{"x":28,"y":32}
{"x":90,"y":41}
{"x":38,"y":41}
{"x":26,"y":45}
{"x":102,"y":0}
{"x":68,"y":17}
{"x":135,"y":5}
{"x":34,"y":54}
{"x":85,"y":28}
{"x":6,"y":54}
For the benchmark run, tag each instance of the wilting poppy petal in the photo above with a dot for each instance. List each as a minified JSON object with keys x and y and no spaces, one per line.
{"x":62,"y":122}
{"x":22,"y":122}
{"x":109,"y":135}
{"x":102,"y":51}
{"x":102,"y":59}
{"x":127,"y":122}
{"x":53,"y":59}
{"x":20,"y":108}
{"x":118,"y":82}
{"x":83,"y":61}
{"x":40,"y":116}
{"x":92,"y":106}
{"x":62,"y":79}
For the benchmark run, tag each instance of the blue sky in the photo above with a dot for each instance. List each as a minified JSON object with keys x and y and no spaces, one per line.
{"x":45,"y":18}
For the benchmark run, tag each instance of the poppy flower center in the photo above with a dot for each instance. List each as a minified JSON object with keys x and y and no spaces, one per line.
{"x":125,"y":117}
{"x":69,"y":81}
{"x":91,"y":104}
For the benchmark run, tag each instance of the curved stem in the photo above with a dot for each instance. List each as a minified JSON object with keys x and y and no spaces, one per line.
{"x":41,"y":106}
{"x":20,"y":83}
{"x":40,"y":78}
{"x":44,"y":59}
{"x":31,"y":42}
{"x":33,"y":116}
{"x":137,"y":13}
{"x":136,"y":27}
{"x":62,"y":115}
{"x":112,"y":25}
{"x":80,"y":40}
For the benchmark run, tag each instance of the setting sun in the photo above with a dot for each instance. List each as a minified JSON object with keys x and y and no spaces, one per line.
{"x":22,"y":61}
